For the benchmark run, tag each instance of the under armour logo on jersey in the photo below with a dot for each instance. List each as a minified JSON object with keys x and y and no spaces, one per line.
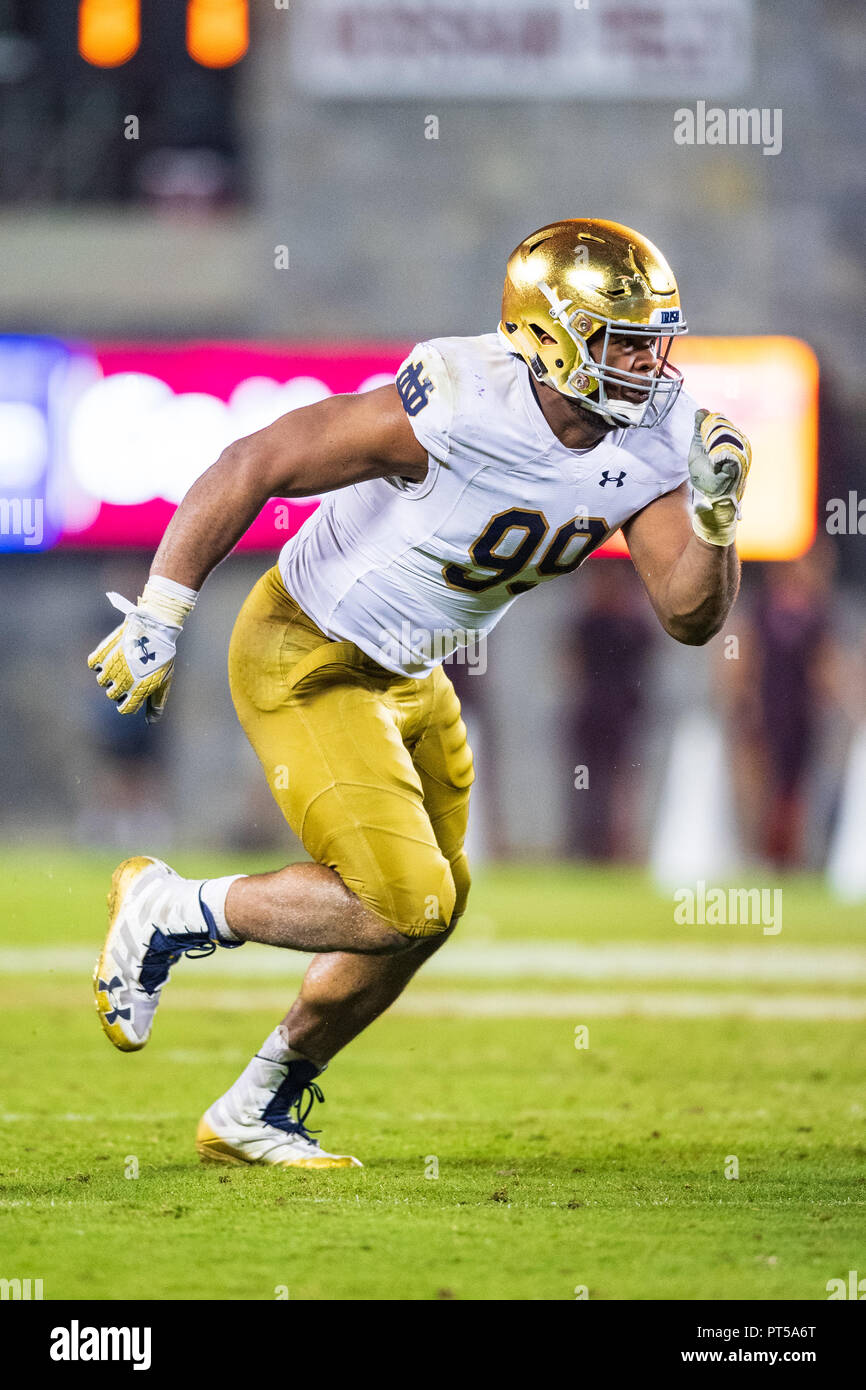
{"x":141,"y":643}
{"x":414,"y":391}
{"x":606,"y":478}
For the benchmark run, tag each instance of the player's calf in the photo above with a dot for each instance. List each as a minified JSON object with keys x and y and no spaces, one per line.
{"x":307,"y":907}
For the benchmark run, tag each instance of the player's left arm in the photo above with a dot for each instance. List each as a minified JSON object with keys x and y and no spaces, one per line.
{"x":685,"y":553}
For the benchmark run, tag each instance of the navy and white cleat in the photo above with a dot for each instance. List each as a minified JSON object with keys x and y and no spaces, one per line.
{"x":253,"y":1122}
{"x":150,"y":908}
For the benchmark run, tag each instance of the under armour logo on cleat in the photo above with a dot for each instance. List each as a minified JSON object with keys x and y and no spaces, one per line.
{"x":606,"y":478}
{"x":115,"y":1010}
{"x":141,"y":643}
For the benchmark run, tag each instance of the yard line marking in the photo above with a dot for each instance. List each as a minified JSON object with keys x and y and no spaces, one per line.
{"x":534,"y":1003}
{"x":13,"y":1117}
{"x":767,"y":960}
{"x":540,"y":1004}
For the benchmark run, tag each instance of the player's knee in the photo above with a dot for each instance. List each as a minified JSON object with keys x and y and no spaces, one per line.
{"x":382,"y":938}
{"x":420,"y":900}
{"x":462,"y":883}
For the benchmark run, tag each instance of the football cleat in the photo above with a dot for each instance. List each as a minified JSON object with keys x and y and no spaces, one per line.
{"x":149,"y":911}
{"x":261,"y":1119}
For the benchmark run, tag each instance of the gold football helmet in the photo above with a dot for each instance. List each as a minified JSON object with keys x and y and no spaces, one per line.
{"x":574,"y":279}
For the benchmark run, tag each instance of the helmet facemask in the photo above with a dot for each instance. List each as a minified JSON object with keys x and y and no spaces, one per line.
{"x":590,"y":381}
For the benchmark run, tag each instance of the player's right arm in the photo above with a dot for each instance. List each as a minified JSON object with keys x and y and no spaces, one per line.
{"x":315,"y":449}
{"x":318,"y":448}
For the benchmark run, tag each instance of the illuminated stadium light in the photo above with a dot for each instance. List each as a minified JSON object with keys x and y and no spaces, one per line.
{"x":109,"y":31}
{"x":217,"y":31}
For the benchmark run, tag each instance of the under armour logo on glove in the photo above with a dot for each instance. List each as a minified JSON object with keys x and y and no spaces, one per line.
{"x":145,"y":654}
{"x":134,"y":664}
{"x":719,"y":460}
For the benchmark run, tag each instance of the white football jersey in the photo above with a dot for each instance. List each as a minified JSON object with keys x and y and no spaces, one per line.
{"x":410,"y":571}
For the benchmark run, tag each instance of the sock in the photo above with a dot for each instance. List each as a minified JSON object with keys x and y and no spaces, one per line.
{"x":254,"y":1089}
{"x":276,"y":1048}
{"x":212,"y":899}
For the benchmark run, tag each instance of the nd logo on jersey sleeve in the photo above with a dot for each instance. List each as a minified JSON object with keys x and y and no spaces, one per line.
{"x":427,"y":392}
{"x":414,"y":387}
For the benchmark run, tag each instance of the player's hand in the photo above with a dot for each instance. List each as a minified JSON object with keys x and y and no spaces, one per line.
{"x":135,"y":663}
{"x":719,"y":461}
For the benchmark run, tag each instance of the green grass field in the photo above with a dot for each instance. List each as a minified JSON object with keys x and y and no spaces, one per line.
{"x":559,"y":1167}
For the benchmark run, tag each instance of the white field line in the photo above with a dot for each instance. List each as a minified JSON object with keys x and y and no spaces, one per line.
{"x":615,"y":1004}
{"x":536,"y":1003}
{"x":575,"y":1006}
{"x":765,"y":961}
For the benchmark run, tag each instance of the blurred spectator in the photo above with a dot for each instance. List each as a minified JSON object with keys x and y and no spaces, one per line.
{"x":785,"y":672}
{"x":127,"y":796}
{"x":607,"y":655}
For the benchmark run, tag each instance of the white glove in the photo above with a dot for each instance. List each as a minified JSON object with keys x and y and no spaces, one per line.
{"x":135,"y":663}
{"x":719,"y":460}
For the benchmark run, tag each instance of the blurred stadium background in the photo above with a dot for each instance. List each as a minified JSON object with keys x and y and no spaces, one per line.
{"x":195,"y":241}
{"x":193,"y":244}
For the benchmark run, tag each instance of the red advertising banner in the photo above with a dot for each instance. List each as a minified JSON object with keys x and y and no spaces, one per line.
{"x":104,"y":440}
{"x":154,"y":417}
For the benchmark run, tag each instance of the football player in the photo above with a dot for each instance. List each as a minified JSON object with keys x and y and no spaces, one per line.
{"x":492,"y":464}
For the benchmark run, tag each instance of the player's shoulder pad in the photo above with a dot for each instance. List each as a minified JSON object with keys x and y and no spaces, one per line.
{"x":426,"y":388}
{"x":459,"y":393}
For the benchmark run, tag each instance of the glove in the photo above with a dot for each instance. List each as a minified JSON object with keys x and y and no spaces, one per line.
{"x":135,"y":663}
{"x":719,"y":461}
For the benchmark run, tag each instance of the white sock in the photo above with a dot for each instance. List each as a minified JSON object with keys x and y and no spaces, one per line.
{"x":276,"y":1048}
{"x":213,"y":893}
{"x":258,"y":1081}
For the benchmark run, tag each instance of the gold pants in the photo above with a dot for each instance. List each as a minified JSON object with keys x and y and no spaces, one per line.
{"x":371,"y":770}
